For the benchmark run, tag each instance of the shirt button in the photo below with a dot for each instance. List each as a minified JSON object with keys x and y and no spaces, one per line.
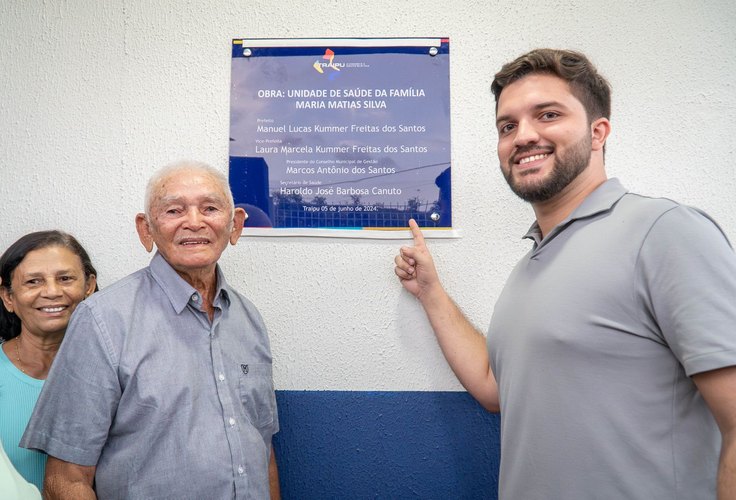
{"x":241,"y":470}
{"x":195,"y":298}
{"x":221,"y":377}
{"x":231,"y":421}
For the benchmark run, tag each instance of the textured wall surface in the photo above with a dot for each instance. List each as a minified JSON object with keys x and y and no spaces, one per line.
{"x":97,"y":95}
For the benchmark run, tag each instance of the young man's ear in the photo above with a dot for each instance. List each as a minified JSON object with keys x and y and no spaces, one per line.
{"x":144,"y":232}
{"x":600,"y":129}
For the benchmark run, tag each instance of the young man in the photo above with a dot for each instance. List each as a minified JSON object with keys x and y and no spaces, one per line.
{"x":612,"y":349}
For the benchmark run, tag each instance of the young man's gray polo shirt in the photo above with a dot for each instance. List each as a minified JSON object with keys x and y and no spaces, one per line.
{"x":165,"y":404}
{"x":593,"y":340}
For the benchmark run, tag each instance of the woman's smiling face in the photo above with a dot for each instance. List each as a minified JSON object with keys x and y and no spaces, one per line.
{"x":45,"y":289}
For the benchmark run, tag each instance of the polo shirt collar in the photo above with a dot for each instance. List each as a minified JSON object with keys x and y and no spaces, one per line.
{"x":179,"y":292}
{"x":601,"y":200}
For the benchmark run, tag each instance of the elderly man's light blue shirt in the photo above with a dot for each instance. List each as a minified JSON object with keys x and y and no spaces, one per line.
{"x":164,"y":402}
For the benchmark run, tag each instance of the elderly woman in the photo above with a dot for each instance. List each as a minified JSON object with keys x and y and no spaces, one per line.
{"x":43,"y":276}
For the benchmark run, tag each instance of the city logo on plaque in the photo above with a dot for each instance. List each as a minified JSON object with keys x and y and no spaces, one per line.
{"x":329,"y":56}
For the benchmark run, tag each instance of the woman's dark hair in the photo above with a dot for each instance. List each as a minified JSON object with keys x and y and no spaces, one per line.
{"x":14,"y":255}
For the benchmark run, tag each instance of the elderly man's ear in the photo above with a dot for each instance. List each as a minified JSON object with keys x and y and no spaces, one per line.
{"x":239,"y":217}
{"x":144,"y":232}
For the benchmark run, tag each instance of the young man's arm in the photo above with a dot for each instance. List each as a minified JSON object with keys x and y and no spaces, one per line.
{"x":718,"y":388}
{"x":463,"y":346}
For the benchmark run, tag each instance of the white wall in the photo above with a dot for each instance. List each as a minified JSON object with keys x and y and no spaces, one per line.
{"x":96,"y":95}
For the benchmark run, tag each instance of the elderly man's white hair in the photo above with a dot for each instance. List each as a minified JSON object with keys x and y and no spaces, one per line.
{"x":185,"y":166}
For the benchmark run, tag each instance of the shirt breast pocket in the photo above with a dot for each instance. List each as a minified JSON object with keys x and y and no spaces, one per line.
{"x":256,"y":393}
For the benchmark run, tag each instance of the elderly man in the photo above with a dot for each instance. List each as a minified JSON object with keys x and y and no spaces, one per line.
{"x":162,"y":387}
{"x":611,"y":352}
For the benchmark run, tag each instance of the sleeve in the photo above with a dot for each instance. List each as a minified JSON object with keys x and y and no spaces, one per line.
{"x":688,"y":274}
{"x":263,"y":351}
{"x":78,"y":402}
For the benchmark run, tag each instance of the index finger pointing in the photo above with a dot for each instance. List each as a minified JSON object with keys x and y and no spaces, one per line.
{"x":416,"y":232}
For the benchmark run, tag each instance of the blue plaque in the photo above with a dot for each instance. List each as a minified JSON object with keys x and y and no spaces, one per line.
{"x":336,"y":134}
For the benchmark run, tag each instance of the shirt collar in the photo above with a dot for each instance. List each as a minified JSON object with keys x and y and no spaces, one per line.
{"x":602,"y":199}
{"x":179,"y":292}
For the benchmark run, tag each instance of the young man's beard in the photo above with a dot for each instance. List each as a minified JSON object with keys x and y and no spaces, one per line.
{"x":565,"y":169}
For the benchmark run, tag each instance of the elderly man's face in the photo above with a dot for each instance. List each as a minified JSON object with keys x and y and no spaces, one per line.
{"x":191,"y":222}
